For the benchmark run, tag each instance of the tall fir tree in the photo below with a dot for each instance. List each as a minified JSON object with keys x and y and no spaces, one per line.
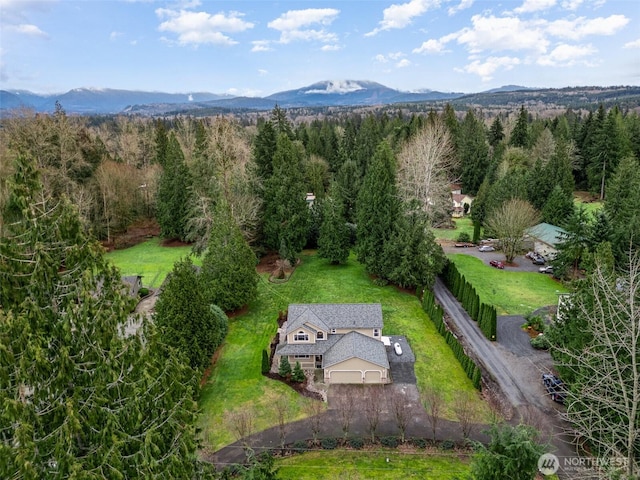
{"x":81,"y":396}
{"x":520,"y":134}
{"x":334,"y":240}
{"x":473,"y":152}
{"x":495,"y":135}
{"x":377,"y":209}
{"x":174,"y":193}
{"x":229,"y":277}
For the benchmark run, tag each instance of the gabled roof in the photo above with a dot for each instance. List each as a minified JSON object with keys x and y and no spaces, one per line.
{"x":356,"y":345}
{"x":547,"y":233}
{"x":335,"y":315}
{"x":318,"y":348}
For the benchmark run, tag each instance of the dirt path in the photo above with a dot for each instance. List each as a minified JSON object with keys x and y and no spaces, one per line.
{"x":518,"y":377}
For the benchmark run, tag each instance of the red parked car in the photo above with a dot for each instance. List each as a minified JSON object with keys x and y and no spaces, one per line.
{"x":497,"y":264}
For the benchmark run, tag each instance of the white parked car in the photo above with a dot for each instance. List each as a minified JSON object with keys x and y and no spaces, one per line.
{"x":486,"y":248}
{"x":397,"y":348}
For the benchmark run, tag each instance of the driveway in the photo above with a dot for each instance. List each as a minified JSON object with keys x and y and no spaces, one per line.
{"x":401,"y":366}
{"x":520,"y":263}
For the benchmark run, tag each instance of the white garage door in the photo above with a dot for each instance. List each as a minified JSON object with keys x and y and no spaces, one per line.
{"x":348,"y":376}
{"x":372,"y":376}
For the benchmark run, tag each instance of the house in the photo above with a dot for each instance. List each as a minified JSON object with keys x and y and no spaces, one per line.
{"x":344,"y":340}
{"x":545,"y":238}
{"x":459,"y":201}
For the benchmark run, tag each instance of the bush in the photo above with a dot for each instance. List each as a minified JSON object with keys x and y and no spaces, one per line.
{"x":356,"y":442}
{"x":540,"y":342}
{"x":536,"y":322}
{"x":298,"y":373}
{"x":143,"y":292}
{"x":265,"y":362}
{"x":329,"y":443}
{"x":419,"y":442}
{"x":285,"y":367}
{"x":464,"y":237}
{"x":448,"y":445}
{"x":300,"y":446}
{"x":391,"y":442}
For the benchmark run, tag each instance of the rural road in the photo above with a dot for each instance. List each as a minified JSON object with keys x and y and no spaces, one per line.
{"x":517,"y":376}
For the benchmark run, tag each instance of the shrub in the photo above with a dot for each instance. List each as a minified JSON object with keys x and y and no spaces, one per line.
{"x":464,"y":237}
{"x":540,"y":342}
{"x":143,"y":292}
{"x":285,"y":367}
{"x":329,"y":443}
{"x":448,"y":445}
{"x":536,"y":322}
{"x":419,"y":442}
{"x":300,"y":446}
{"x":356,"y":442}
{"x":391,"y":442}
{"x":298,"y":374}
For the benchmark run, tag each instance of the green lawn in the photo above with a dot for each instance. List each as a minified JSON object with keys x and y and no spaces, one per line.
{"x":462,"y":225}
{"x":236,"y":382}
{"x":149,"y":259}
{"x":590,"y":207}
{"x":349,"y":464}
{"x":512,"y":293}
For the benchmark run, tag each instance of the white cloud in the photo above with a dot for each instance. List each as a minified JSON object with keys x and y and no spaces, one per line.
{"x":27,"y":29}
{"x":338,"y":86}
{"x":565,"y":55}
{"x":485,"y":70}
{"x":294,"y":25}
{"x":572,"y":4}
{"x":393,"y":56}
{"x":581,"y":27}
{"x":463,"y":5}
{"x":261,"y":46}
{"x":114,"y":35}
{"x":262,"y":72}
{"x":430,"y":46}
{"x":401,"y":15}
{"x":202,"y":27}
{"x":331,"y":48}
{"x":244,"y":92}
{"x":535,"y":6}
{"x":634,"y":44}
{"x":403,"y":63}
{"x":503,"y":33}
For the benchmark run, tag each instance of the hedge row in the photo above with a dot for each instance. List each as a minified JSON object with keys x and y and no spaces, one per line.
{"x":485,"y":315}
{"x":436,"y":314}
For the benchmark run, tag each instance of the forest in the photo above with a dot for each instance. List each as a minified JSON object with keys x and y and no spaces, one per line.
{"x":373,"y":184}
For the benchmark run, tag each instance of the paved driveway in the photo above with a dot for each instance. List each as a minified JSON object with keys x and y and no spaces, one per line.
{"x":401,"y":366}
{"x":520,"y":263}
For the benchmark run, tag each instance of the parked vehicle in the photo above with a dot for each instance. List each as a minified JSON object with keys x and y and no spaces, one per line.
{"x":397,"y":348}
{"x":555,"y":387}
{"x":486,"y":248}
{"x":546,"y":269}
{"x":538,"y":261}
{"x":464,"y":245}
{"x":497,"y":264}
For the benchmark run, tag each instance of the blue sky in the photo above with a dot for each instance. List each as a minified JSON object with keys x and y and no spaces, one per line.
{"x":261,"y":47}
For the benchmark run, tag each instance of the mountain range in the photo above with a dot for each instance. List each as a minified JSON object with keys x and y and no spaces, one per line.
{"x":343,"y":93}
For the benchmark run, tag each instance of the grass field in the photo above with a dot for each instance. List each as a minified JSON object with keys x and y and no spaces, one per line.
{"x":149,"y":259}
{"x":511,"y":292}
{"x":462,"y":225}
{"x":348,"y":464}
{"x":236,"y":383}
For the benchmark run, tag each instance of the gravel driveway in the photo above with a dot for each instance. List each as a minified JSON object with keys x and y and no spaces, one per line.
{"x":520,"y":263}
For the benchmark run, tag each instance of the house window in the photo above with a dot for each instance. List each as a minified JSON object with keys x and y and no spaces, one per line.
{"x":301,"y":356}
{"x":376,"y":332}
{"x":301,"y":336}
{"x":333,"y":330}
{"x":320,"y":336}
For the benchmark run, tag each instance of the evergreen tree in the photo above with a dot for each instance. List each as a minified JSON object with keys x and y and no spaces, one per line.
{"x":284,"y":369}
{"x":174,"y":193}
{"x":81,"y":397}
{"x":334,"y":240}
{"x":298,"y":373}
{"x":496,"y":132}
{"x":558,"y":208}
{"x":229,"y":276}
{"x":348,"y":183}
{"x":520,"y":133}
{"x":265,"y":362}
{"x":377,"y":210}
{"x":286,"y":218}
{"x":473,"y":152}
{"x":574,"y":244}
{"x":162,"y":142}
{"x":185,"y":318}
{"x":264,"y":149}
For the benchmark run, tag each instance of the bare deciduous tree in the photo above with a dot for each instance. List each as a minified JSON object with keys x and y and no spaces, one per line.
{"x":509,"y":222}
{"x":604,"y":403}
{"x":433,"y":402}
{"x":241,"y":423}
{"x":314,"y":409}
{"x":345,"y":406}
{"x":425,"y":170}
{"x":281,"y":407}
{"x":402,"y":410}
{"x":374,"y":403}
{"x":466,"y":413}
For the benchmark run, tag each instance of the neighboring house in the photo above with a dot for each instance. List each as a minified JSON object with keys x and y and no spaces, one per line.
{"x":344,"y":340}
{"x":459,"y":201}
{"x":546,"y":238}
{"x":133,"y":284}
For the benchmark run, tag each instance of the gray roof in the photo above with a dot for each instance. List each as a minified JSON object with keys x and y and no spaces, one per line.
{"x":335,"y":315}
{"x":356,"y":345}
{"x":318,"y":348}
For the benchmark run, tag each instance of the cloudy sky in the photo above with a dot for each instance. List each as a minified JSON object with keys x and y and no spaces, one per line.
{"x":262,"y":47}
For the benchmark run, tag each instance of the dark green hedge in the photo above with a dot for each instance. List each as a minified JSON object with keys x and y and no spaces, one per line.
{"x":436,"y":314}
